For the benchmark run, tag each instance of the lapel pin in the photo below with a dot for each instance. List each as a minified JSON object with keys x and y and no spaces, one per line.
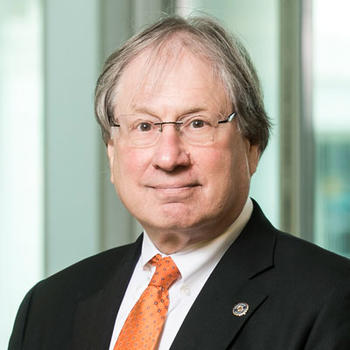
{"x":240,"y":309}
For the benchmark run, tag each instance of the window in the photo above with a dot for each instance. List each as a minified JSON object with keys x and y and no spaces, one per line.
{"x":20,"y":156}
{"x":331,"y":106}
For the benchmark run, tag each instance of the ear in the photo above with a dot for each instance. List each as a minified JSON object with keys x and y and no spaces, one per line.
{"x":111,"y":156}
{"x":253,"y":155}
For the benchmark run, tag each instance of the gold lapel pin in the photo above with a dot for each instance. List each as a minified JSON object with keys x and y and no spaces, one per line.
{"x":240,"y":309}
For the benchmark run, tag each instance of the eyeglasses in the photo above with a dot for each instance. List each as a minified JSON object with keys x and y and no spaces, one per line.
{"x":141,"y":131}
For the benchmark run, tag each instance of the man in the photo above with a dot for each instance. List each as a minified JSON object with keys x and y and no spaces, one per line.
{"x":182,"y":116}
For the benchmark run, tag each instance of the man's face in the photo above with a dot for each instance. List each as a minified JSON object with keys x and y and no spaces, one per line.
{"x":173,"y":187}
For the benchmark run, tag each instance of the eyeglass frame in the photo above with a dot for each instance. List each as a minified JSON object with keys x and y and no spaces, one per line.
{"x":178,"y":123}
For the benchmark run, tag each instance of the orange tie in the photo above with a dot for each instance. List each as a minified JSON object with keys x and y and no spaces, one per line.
{"x":145,"y":322}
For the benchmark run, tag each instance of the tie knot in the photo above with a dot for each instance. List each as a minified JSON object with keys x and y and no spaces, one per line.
{"x":166,"y":272}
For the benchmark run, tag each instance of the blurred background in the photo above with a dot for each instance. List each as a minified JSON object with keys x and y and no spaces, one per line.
{"x":56,"y":203}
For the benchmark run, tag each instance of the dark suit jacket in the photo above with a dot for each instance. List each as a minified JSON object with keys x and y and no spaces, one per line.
{"x":298,"y":297}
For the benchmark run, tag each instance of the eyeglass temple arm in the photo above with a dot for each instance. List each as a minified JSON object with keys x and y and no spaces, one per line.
{"x":113,"y":123}
{"x":228,"y":119}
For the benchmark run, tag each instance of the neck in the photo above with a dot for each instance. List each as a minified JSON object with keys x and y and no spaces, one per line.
{"x":170,"y":241}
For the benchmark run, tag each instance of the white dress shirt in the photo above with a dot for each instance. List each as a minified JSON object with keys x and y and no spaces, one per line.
{"x":195,"y":265}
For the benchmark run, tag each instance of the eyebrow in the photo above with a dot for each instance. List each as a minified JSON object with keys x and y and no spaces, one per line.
{"x":149,"y":111}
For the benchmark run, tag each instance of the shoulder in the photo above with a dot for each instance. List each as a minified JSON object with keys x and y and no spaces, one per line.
{"x":53,"y":302}
{"x":295,"y":256}
{"x":88,"y":275}
{"x":295,"y":264}
{"x":307,"y":261}
{"x":315,"y":285}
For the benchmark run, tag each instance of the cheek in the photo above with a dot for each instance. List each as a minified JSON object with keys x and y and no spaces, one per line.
{"x":214,"y":168}
{"x":226,"y":168}
{"x":127,"y":171}
{"x":130,"y":164}
{"x":221,"y":159}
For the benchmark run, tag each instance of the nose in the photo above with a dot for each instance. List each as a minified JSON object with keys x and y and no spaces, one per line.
{"x":170,"y":151}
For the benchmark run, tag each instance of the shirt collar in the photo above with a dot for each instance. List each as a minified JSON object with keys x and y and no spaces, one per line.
{"x":192,"y":260}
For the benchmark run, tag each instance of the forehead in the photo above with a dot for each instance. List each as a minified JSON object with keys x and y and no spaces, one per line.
{"x":170,"y":72}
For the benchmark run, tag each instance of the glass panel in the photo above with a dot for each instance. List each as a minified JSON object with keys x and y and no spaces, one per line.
{"x":332,"y":124}
{"x":20,"y":156}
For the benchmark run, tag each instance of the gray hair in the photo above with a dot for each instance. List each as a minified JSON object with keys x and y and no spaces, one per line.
{"x":207,"y":39}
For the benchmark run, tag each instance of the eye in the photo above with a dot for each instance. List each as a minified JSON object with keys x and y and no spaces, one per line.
{"x":197,"y":123}
{"x":144,"y":126}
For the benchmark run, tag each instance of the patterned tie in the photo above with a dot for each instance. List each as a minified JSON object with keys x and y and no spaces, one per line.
{"x":144,"y":325}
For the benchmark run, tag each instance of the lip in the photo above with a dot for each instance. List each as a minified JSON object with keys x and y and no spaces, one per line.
{"x":174,"y":192}
{"x":173,"y":186}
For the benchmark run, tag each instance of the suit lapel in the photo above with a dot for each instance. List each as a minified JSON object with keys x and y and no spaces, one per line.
{"x":96,"y":313}
{"x":211,"y":324}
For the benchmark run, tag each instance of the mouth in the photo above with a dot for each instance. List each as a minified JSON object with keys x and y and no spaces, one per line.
{"x":180,"y":190}
{"x":174,"y":186}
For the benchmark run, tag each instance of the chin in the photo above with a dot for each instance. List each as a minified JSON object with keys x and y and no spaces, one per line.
{"x":171,"y":221}
{"x":179,"y":223}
